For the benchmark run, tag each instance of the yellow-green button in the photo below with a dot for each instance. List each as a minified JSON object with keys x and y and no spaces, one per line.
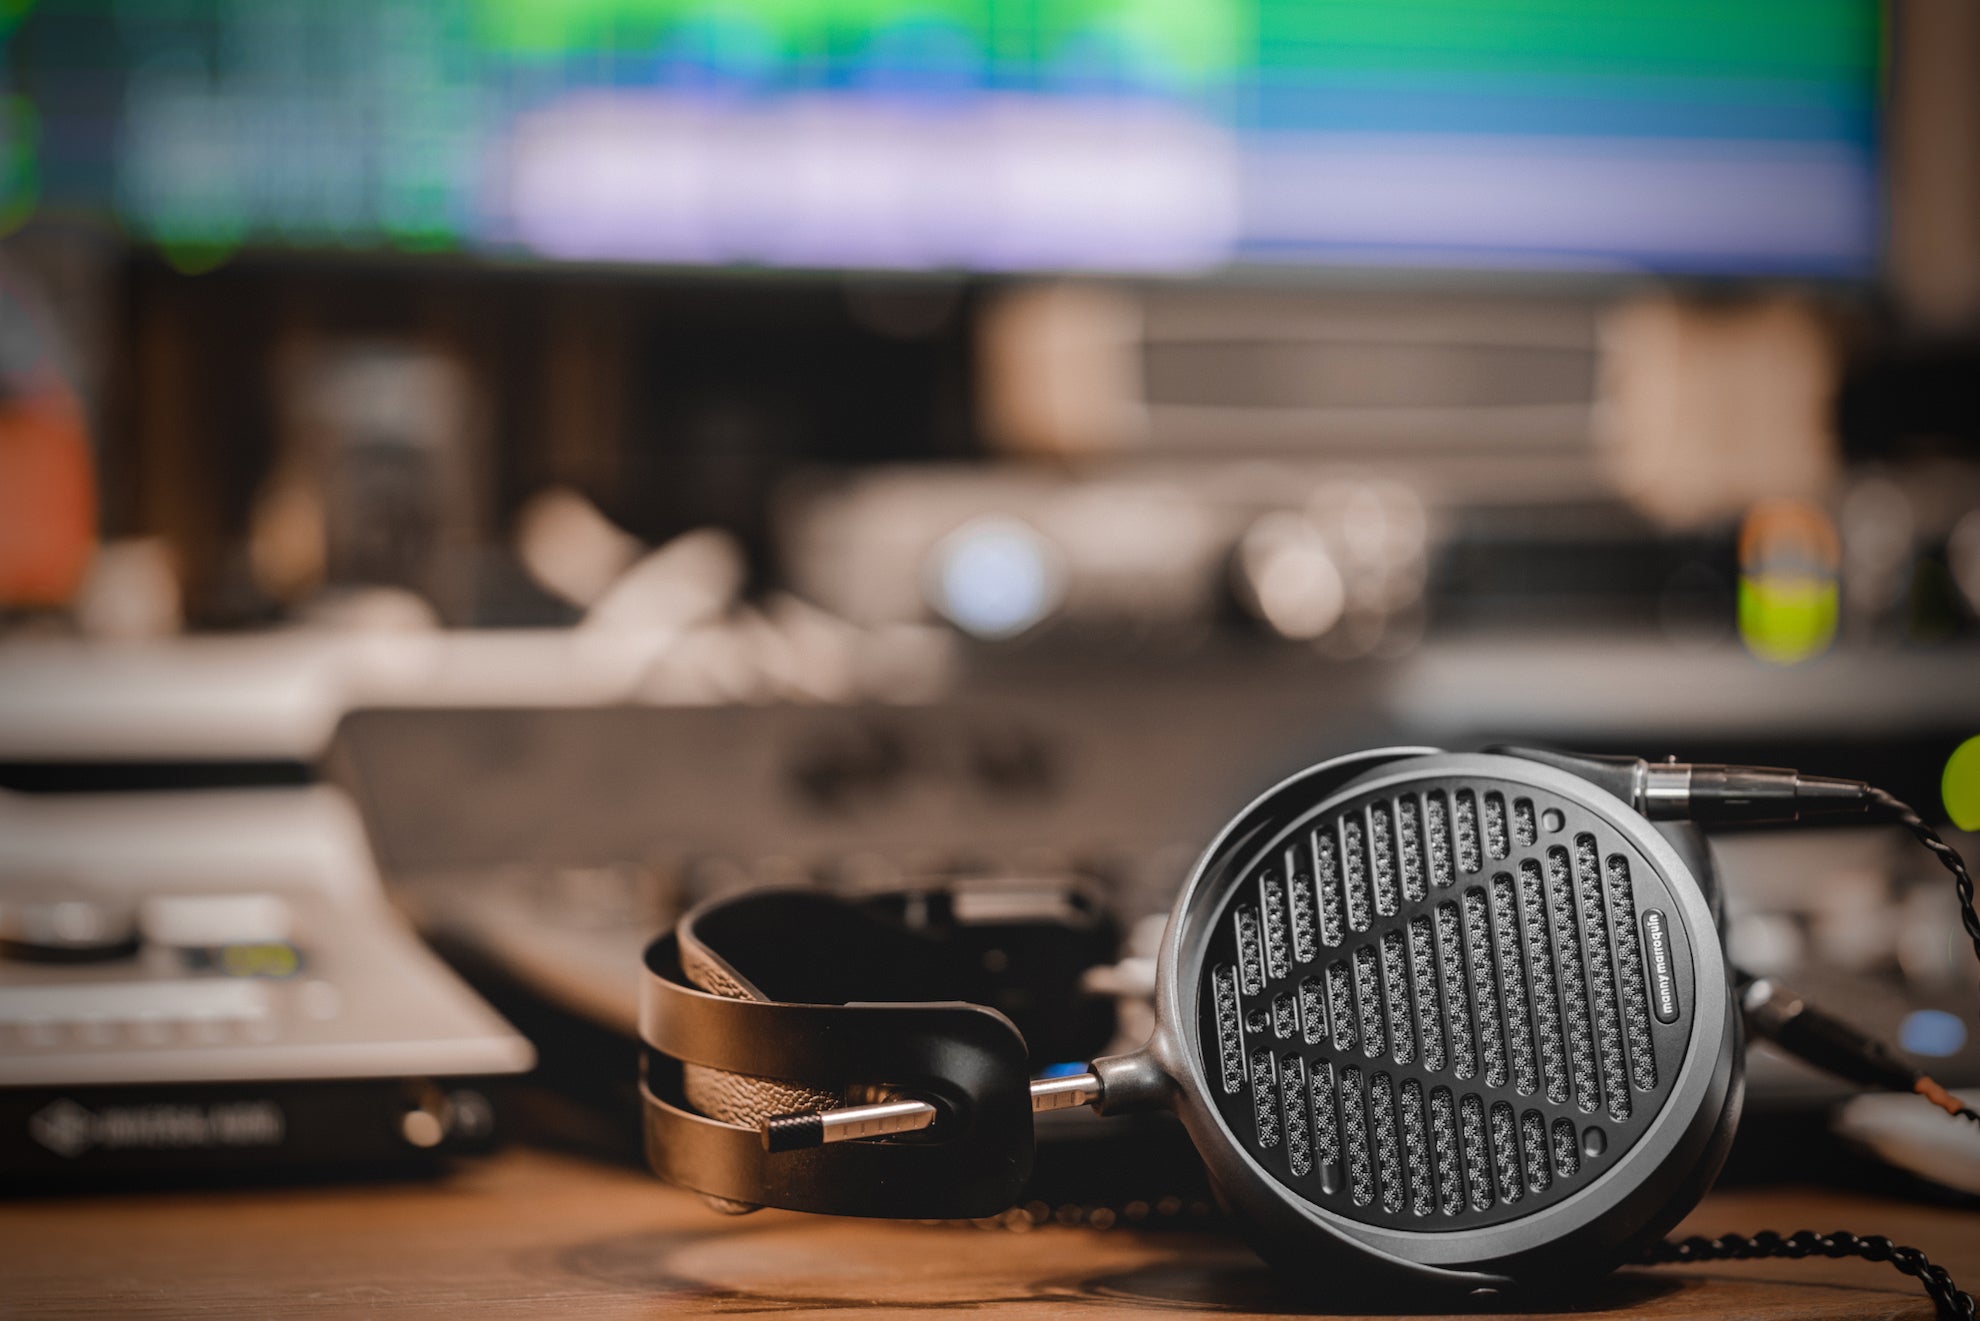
{"x":1961,"y":785}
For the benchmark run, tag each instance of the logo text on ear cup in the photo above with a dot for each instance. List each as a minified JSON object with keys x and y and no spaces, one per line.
{"x":1663,"y":973}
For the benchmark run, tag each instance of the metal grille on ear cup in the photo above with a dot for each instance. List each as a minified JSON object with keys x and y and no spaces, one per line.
{"x":1445,"y":1007}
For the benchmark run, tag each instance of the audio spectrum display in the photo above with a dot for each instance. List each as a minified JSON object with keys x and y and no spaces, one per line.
{"x":1123,"y":135}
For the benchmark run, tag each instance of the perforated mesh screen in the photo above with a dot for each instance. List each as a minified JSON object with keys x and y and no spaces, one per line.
{"x":1434,"y":1008}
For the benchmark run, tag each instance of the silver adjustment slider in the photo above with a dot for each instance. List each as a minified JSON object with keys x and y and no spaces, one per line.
{"x":886,"y":1118}
{"x":1064,"y":1093}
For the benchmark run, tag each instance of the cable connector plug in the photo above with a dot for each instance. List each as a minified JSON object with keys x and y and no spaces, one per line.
{"x":1825,"y":1041}
{"x":1708,"y":793}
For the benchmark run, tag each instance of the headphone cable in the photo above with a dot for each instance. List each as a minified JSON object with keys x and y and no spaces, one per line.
{"x":1805,"y":1030}
{"x":1948,"y":857}
{"x":1711,"y":794}
{"x":1782,"y":1016}
{"x":1952,"y":1302}
{"x":1904,"y":815}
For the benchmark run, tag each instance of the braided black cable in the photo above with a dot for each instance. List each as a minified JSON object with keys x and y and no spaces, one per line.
{"x":1903,"y":815}
{"x":1947,"y":1297}
{"x":1951,"y":1301}
{"x":1946,"y":854}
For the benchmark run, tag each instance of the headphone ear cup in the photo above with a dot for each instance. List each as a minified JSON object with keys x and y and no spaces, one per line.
{"x":1462,"y":1018}
{"x":1325,"y":1268}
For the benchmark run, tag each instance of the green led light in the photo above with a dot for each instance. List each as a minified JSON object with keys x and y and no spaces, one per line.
{"x":12,"y":11}
{"x":1786,"y":619}
{"x":1960,"y":786}
{"x":197,"y":256}
{"x":20,"y":176}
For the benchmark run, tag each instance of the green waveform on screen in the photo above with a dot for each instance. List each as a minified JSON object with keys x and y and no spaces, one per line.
{"x":1190,"y":40}
{"x":1699,"y":38}
{"x":1207,"y":39}
{"x":212,"y":124}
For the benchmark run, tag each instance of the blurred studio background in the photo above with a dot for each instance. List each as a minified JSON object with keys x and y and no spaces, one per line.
{"x":477,"y":476}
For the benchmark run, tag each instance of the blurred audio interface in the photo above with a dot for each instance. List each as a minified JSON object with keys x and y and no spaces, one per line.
{"x":195,"y":982}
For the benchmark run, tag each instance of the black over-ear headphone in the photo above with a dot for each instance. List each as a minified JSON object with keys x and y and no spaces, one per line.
{"x":1457,"y":1019}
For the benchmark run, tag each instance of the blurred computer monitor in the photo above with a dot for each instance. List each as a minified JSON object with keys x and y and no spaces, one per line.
{"x":977,"y":135}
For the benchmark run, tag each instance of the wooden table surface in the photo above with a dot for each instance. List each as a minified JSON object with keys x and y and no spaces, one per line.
{"x":526,"y":1234}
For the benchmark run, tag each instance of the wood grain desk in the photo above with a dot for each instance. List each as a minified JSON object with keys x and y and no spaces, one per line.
{"x":531,"y":1235}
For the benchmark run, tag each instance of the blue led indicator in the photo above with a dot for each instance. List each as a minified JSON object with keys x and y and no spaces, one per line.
{"x":1932,"y":1032}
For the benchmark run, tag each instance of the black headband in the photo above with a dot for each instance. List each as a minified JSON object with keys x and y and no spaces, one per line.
{"x":788,"y":1000}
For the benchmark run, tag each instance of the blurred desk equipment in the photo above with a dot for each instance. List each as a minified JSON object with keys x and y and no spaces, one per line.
{"x":192,"y":983}
{"x":553,"y":840}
